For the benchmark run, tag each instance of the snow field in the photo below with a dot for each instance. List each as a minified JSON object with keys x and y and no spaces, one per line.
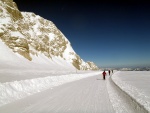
{"x":11,"y":91}
{"x":138,"y":96}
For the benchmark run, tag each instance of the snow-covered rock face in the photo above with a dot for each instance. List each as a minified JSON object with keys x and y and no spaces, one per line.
{"x":31,"y":35}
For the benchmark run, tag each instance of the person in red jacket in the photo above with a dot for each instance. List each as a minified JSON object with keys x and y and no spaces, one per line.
{"x":104,"y":74}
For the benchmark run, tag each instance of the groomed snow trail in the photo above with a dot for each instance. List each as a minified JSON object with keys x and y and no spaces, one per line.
{"x":87,"y":95}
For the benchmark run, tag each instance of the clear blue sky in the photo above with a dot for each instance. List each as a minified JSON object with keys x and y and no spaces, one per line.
{"x":111,"y":34}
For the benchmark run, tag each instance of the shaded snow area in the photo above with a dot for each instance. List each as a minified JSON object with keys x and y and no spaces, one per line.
{"x":135,"y":85}
{"x":14,"y":61}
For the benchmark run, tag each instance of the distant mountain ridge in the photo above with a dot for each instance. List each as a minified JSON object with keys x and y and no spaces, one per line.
{"x":31,"y":35}
{"x":136,"y":69}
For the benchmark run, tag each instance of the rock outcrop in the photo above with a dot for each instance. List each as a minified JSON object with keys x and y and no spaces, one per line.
{"x":29,"y":34}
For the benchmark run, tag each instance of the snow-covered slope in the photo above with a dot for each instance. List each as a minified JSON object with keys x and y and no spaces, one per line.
{"x":36,"y":39}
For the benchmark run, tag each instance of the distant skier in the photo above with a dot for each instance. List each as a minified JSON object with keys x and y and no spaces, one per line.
{"x":104,"y":74}
{"x":109,"y":72}
{"x":112,"y":71}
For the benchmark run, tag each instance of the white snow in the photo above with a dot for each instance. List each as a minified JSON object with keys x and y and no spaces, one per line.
{"x":136,"y":85}
{"x":11,"y":91}
{"x":87,"y":95}
{"x":20,"y":78}
{"x":69,"y":51}
{"x":6,"y":55}
{"x":4,"y":20}
{"x":1,"y":31}
{"x":9,"y":59}
{"x":51,"y":36}
{"x":16,"y":34}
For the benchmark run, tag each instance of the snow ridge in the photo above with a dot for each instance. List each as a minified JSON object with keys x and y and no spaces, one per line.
{"x":11,"y":91}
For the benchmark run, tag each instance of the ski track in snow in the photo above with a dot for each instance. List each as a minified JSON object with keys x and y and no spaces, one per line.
{"x":11,"y":91}
{"x":91,"y":94}
{"x":88,"y":95}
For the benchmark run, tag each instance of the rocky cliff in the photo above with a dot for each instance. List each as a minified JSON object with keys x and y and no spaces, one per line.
{"x":31,"y":35}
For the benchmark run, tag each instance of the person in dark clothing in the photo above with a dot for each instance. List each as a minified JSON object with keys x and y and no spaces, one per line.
{"x":109,"y":72}
{"x":104,"y":74}
{"x":112,"y":71}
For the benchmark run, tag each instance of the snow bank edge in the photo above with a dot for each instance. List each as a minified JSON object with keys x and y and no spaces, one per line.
{"x":130,"y":91}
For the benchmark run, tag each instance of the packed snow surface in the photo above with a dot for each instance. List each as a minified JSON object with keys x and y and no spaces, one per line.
{"x":11,"y":91}
{"x":82,"y":96}
{"x":80,"y":91}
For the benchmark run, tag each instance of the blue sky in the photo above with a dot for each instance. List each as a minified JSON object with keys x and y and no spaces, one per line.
{"x":111,"y":34}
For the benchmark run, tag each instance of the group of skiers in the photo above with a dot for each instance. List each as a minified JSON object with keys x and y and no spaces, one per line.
{"x":104,"y":73}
